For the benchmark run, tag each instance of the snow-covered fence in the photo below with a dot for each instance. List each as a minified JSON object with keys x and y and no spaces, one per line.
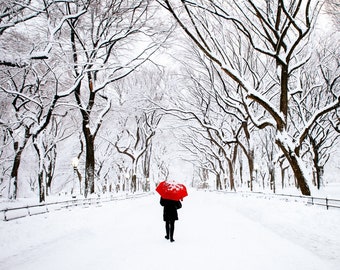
{"x":308,"y":200}
{"x":329,"y":203}
{"x":11,"y":213}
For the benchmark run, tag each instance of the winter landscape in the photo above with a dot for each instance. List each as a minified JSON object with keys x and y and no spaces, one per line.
{"x":102,"y":100}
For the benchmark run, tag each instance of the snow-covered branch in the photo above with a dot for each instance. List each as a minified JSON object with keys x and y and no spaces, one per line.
{"x":330,"y":107}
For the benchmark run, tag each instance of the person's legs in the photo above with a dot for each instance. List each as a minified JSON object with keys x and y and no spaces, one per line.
{"x":172,"y":230}
{"x":167,"y":229}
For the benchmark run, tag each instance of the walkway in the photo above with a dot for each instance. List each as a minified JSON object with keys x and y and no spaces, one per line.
{"x":212,"y":233}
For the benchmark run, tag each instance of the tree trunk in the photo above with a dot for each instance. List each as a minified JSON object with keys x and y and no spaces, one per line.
{"x":18,"y":149}
{"x":89,"y":162}
{"x":146,"y":163}
{"x":291,"y":154}
{"x":293,"y":160}
{"x":218,"y":182}
{"x":50,"y":169}
{"x":49,"y":177}
{"x":241,"y":171}
{"x":319,"y":176}
{"x":40,"y":153}
{"x":41,"y":183}
{"x":13,"y":185}
{"x":134,"y":183}
{"x":251,"y":169}
{"x":284,"y":95}
{"x":272,"y":178}
{"x":134,"y":175}
{"x":318,"y":169}
{"x":231,"y":174}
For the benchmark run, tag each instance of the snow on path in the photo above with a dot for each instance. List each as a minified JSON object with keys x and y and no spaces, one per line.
{"x":214,"y":232}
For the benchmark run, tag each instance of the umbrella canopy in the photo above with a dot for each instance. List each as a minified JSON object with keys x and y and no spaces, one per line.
{"x":172,"y":190}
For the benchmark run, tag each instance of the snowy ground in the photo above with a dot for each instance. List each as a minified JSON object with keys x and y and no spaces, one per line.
{"x":215,"y":231}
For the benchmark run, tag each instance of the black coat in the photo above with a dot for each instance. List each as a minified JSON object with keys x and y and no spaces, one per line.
{"x":170,"y":209}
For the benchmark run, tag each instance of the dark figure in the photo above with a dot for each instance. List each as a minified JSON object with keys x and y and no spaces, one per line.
{"x":169,"y":216}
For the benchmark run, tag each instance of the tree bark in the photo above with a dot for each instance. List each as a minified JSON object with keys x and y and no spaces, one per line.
{"x":18,"y":149}
{"x":42,"y":194}
{"x":293,"y":160}
{"x":13,"y":186}
{"x":231,"y":174}
{"x":272,"y":177}
{"x":89,"y":162}
{"x":218,"y":182}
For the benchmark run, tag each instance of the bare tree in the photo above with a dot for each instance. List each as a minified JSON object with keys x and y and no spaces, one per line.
{"x":100,"y":38}
{"x":45,"y":144}
{"x":318,"y":81}
{"x":29,"y":79}
{"x":134,"y":142}
{"x":34,"y":94}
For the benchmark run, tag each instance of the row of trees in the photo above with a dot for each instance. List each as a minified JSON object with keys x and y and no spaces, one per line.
{"x":265,"y":79}
{"x":62,"y":69}
{"x":251,"y":84}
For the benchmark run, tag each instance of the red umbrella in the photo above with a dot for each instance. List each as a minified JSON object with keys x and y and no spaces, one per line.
{"x":172,"y":190}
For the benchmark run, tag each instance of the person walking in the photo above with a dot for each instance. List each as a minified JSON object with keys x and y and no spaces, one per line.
{"x":170,"y":215}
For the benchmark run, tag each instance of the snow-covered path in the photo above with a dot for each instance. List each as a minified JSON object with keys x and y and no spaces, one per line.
{"x":215,"y":231}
